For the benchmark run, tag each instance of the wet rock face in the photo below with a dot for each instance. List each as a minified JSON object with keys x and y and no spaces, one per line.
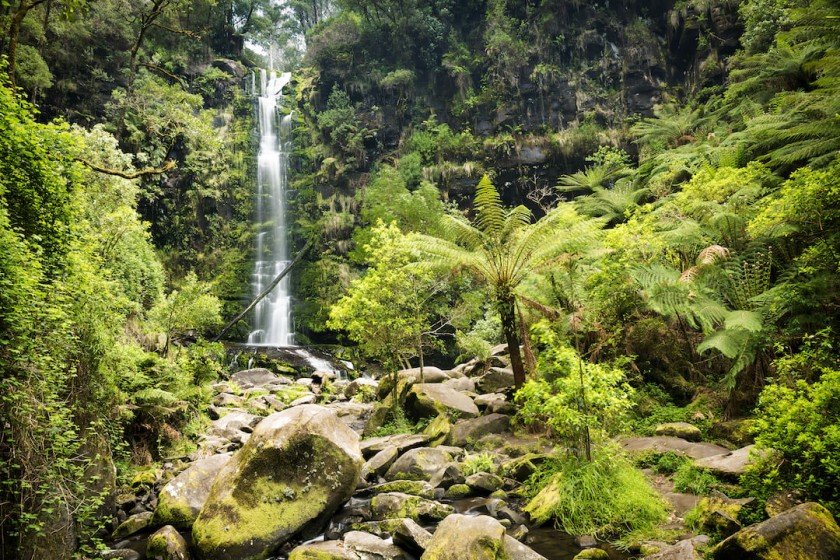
{"x":807,"y":531}
{"x":294,"y":472}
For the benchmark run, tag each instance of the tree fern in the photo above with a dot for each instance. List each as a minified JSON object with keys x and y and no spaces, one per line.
{"x":502,"y":247}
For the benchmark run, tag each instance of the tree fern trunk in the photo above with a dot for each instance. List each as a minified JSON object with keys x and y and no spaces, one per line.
{"x":507,"y":313}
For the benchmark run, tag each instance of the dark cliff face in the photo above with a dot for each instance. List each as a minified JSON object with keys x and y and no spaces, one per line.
{"x":564,"y":65}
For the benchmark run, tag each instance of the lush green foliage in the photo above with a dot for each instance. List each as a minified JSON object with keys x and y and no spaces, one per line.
{"x":557,"y":400}
{"x":797,"y":419}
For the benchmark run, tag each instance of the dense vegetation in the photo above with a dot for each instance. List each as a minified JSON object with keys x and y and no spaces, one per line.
{"x":644,"y":198}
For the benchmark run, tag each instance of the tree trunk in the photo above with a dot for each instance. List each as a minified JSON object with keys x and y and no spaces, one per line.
{"x":507,"y":313}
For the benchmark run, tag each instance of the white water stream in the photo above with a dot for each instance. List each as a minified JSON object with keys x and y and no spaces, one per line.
{"x":273,"y":314}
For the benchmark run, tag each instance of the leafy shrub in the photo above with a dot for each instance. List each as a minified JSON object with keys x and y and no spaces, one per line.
{"x":480,"y":462}
{"x":556,"y":399}
{"x":607,"y":496}
{"x":691,"y":480}
{"x":801,"y":423}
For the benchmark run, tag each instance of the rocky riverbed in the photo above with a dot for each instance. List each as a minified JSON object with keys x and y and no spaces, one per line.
{"x":299,"y":468}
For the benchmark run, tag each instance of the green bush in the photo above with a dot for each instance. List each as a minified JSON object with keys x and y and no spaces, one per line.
{"x":556,"y":398}
{"x":607,"y":496}
{"x":480,"y":462}
{"x":691,"y":480}
{"x":801,"y":423}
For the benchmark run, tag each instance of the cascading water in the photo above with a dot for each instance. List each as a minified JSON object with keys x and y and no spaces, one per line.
{"x":273,"y":314}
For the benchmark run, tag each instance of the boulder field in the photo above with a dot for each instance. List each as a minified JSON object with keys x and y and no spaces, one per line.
{"x":286,"y":460}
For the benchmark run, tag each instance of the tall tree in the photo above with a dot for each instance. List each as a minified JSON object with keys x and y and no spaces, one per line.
{"x":501,"y":247}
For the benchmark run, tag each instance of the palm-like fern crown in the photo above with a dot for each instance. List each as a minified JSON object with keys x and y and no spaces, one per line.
{"x":503,"y":245}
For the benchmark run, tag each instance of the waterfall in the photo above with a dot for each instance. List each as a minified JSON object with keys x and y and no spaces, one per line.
{"x":272,"y":315}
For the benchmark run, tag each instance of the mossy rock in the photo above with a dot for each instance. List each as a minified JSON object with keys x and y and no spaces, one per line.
{"x":438,"y":430}
{"x":682,"y":430}
{"x":395,"y":505}
{"x":805,"y":532}
{"x":167,"y":544}
{"x":459,"y":537}
{"x":592,"y":554}
{"x":413,"y":487}
{"x":298,"y":467}
{"x":328,"y":550}
{"x":457,"y":491}
{"x":182,"y":498}
{"x":132,"y":525}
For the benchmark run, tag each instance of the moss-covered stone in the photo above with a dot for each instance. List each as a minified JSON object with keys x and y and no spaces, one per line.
{"x":438,"y":430}
{"x":167,"y":544}
{"x":682,"y":430}
{"x":133,"y":524}
{"x":413,"y":487}
{"x":461,"y":536}
{"x":294,"y":472}
{"x":182,"y":498}
{"x":457,"y":491}
{"x":805,"y":532}
{"x":329,"y":550}
{"x":394,"y":505}
{"x":592,"y":554}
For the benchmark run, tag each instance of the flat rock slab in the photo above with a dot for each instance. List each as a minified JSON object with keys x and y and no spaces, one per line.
{"x":681,"y":502}
{"x":729,"y":464}
{"x":403,"y":442}
{"x":663,"y":444}
{"x":257,"y":377}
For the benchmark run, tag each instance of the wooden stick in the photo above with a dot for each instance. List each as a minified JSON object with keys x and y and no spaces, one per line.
{"x":265,"y":292}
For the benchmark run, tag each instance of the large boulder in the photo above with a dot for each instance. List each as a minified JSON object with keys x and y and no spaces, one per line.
{"x":418,"y":464}
{"x":458,"y":537}
{"x":470,"y":431}
{"x":431,"y":399}
{"x":807,"y":531}
{"x":495,"y":380}
{"x":183,"y":497}
{"x":296,"y":470}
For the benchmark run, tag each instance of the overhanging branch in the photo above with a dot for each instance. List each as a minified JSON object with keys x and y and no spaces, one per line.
{"x":168,"y":166}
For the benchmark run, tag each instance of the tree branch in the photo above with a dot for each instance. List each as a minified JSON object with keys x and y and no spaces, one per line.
{"x":165,"y":72}
{"x":168,"y":166}
{"x":184,"y":32}
{"x":265,"y":292}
